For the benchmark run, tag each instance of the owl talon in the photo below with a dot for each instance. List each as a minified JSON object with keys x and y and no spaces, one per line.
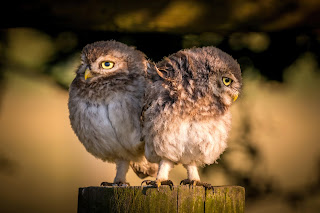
{"x":114,"y":184}
{"x":196,"y":183}
{"x":147,"y":182}
{"x":106,"y":184}
{"x":167,"y":182}
{"x":207,"y":186}
{"x":189,"y":182}
{"x":157,"y":183}
{"x":185,"y":182}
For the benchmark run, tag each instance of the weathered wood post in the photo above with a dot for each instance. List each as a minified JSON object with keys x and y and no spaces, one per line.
{"x":229,"y":199}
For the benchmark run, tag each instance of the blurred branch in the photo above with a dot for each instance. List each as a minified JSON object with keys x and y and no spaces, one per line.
{"x":176,"y":16}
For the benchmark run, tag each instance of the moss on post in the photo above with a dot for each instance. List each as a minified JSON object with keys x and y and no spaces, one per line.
{"x":225,"y":199}
{"x":148,"y":199}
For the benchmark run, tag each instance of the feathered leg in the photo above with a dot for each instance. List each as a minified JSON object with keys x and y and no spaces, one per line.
{"x":120,"y":179}
{"x":193,"y":177}
{"x":163,"y":175}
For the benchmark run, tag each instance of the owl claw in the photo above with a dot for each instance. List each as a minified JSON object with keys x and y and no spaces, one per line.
{"x":185,"y":182}
{"x":196,"y":183}
{"x":189,"y":182}
{"x":157,"y":183}
{"x":114,"y":184}
{"x":148,"y":182}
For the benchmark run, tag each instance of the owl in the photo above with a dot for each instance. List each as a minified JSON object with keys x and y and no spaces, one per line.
{"x":186,"y":117}
{"x":105,"y":104}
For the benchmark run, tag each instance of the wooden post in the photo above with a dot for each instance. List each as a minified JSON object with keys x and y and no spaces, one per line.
{"x":148,"y":199}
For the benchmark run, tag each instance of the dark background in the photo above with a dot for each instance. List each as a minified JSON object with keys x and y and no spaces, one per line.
{"x":274,"y":146}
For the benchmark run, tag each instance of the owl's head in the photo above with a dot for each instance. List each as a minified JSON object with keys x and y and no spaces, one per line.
{"x":203,"y":73}
{"x":105,"y":59}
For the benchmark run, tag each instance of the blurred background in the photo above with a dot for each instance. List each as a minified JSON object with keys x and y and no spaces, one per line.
{"x":274,"y":145}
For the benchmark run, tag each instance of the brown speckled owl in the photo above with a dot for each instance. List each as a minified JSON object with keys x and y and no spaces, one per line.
{"x":187,"y":116}
{"x":105,"y":103}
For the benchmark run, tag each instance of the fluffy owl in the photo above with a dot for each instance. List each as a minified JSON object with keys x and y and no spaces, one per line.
{"x":105,"y":103}
{"x":187,"y":118}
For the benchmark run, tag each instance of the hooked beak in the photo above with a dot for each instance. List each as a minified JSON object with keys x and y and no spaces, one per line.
{"x":87,"y":74}
{"x":235,"y":96}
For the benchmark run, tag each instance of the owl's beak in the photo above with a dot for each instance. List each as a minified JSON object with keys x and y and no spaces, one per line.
{"x":235,"y":96}
{"x":87,"y":74}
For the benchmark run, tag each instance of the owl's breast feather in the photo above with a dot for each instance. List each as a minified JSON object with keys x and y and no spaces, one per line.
{"x":186,"y":140}
{"x":107,"y":130}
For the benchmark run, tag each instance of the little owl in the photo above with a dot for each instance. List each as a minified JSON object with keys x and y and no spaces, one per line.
{"x":105,"y":104}
{"x":186,"y":115}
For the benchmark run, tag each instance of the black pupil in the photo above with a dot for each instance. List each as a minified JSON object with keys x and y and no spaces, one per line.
{"x":106,"y":64}
{"x":227,"y":80}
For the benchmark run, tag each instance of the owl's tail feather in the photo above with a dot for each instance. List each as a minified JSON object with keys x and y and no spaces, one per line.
{"x":144,"y":168}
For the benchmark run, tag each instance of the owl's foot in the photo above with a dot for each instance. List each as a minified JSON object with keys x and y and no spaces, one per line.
{"x":196,"y":183}
{"x":157,"y":183}
{"x":114,"y":184}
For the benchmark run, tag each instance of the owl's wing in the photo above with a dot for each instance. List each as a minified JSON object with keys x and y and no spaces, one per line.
{"x":153,"y":88}
{"x":175,"y":68}
{"x":151,"y":76}
{"x":164,"y":78}
{"x":151,"y":72}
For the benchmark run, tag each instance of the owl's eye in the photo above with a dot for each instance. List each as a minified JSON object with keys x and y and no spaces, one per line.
{"x":107,"y":64}
{"x":226,"y":81}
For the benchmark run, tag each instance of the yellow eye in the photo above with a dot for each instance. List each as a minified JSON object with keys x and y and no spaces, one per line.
{"x":107,"y":64}
{"x":226,"y":81}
